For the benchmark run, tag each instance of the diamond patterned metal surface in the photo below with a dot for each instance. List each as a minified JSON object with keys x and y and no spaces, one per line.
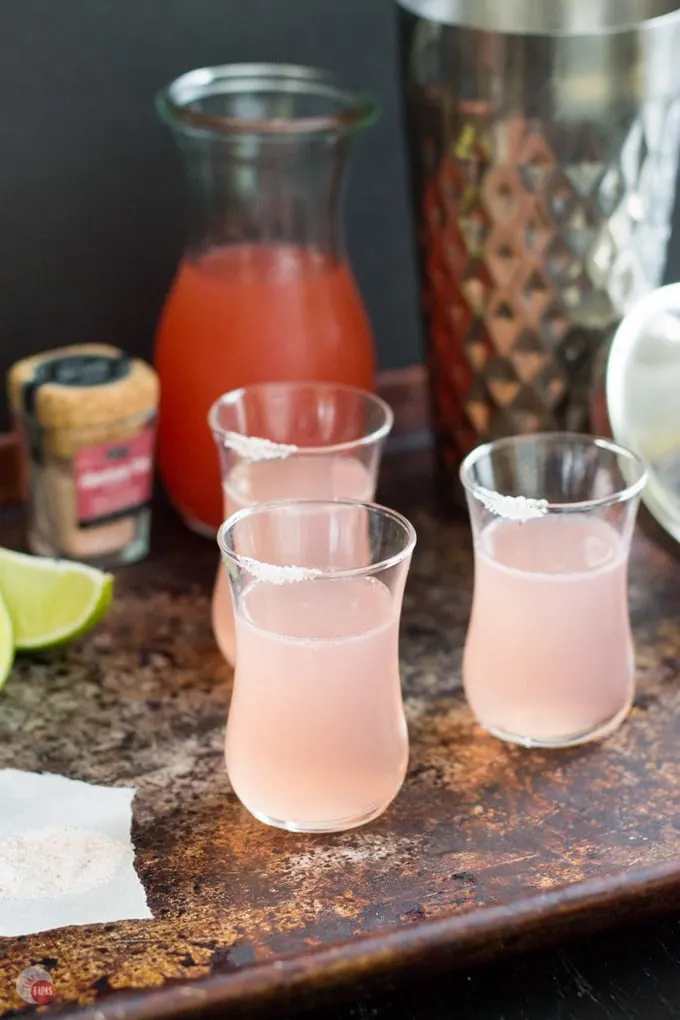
{"x":529,"y":261}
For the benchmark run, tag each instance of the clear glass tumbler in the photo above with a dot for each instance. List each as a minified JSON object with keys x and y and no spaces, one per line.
{"x":549,"y":657}
{"x":316,"y":736}
{"x":322,"y":441}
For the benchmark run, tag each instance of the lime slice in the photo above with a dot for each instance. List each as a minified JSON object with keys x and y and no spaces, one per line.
{"x":6,"y":643}
{"x":51,"y":602}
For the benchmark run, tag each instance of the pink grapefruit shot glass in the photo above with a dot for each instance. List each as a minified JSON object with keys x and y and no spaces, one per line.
{"x":316,"y":735}
{"x":549,"y":658}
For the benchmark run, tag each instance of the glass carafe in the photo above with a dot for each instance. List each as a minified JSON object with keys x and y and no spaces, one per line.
{"x":264,"y":291}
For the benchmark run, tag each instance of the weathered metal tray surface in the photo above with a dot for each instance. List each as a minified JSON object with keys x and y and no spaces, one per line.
{"x":487,"y":848}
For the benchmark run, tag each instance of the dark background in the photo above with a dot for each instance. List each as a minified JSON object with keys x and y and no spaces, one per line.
{"x":91,"y":192}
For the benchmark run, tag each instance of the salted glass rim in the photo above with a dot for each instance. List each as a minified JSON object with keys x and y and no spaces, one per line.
{"x":620,"y":495}
{"x":376,"y":435}
{"x":246,"y":562}
{"x":356,"y":108}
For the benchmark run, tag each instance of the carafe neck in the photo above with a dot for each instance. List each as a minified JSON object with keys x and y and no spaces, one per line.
{"x":265,"y":149}
{"x":254,"y":190}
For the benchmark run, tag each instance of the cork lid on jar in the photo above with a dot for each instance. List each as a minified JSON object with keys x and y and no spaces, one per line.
{"x":82,"y":394}
{"x":82,"y":385}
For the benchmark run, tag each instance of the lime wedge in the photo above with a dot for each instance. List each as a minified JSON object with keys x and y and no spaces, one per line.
{"x":6,"y":643}
{"x":51,"y":602}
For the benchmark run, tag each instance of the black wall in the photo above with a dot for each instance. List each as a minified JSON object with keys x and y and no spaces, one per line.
{"x":90,"y":187}
{"x":91,"y":192}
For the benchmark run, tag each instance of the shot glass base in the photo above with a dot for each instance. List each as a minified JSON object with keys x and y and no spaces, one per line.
{"x":321,"y":827}
{"x":600,"y":732}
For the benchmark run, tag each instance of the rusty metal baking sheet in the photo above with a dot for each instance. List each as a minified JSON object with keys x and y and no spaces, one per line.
{"x":485,"y":846}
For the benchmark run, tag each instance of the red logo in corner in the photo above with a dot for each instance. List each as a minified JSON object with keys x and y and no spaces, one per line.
{"x":34,"y":985}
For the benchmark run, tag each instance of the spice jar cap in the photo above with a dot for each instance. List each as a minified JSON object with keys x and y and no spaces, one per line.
{"x":81,"y":370}
{"x":82,"y":386}
{"x":643,"y":397}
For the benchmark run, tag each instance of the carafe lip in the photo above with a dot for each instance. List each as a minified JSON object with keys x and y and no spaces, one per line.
{"x":354,"y":108}
{"x":540,"y":17}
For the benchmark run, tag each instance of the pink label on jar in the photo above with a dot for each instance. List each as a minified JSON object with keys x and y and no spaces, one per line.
{"x":114,"y":478}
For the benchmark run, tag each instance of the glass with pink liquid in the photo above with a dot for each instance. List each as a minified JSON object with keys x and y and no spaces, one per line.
{"x":316,"y":735}
{"x":549,"y":658}
{"x":297,"y":440}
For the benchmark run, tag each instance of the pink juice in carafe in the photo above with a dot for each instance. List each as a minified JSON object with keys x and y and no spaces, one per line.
{"x":300,"y":476}
{"x":316,"y":736}
{"x":222,"y":327}
{"x":549,"y":653}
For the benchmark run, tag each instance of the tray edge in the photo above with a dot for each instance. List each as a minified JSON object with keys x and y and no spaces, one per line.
{"x":475,"y":936}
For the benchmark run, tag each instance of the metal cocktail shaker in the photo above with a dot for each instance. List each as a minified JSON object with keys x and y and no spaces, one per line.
{"x":543,"y":138}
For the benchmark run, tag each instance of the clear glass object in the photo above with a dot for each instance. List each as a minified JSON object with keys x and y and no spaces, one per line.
{"x":264,"y":290}
{"x":69,"y":470}
{"x":643,"y":398}
{"x":316,"y":736}
{"x":328,"y":443}
{"x":549,"y":657}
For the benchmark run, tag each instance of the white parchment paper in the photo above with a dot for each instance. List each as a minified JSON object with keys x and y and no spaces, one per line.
{"x":31,"y":801}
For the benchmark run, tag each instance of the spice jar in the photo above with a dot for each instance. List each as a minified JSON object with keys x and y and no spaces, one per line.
{"x":86,"y":419}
